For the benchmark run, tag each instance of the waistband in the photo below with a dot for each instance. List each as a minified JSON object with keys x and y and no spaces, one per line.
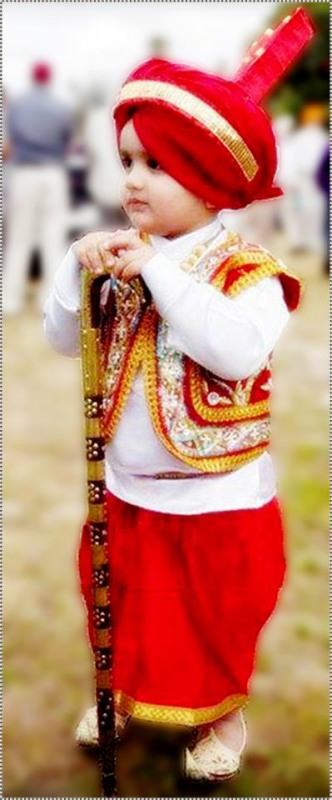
{"x":158,"y":476}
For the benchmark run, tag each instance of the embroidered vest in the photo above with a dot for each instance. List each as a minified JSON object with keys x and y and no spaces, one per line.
{"x":210,"y":423}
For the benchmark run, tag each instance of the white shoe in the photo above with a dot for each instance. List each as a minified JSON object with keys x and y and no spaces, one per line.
{"x":212,"y":760}
{"x":86,"y":733}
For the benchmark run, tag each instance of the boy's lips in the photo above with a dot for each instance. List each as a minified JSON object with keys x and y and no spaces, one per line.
{"x":134,"y":203}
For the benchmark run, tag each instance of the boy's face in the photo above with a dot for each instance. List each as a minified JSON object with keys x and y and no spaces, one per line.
{"x":153,"y":200}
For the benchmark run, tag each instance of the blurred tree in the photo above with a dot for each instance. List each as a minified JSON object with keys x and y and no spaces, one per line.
{"x":308,"y":80}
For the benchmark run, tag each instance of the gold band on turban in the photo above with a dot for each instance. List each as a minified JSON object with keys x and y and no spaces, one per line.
{"x":190,"y":104}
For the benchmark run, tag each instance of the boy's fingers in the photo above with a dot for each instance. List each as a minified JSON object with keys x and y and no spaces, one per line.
{"x":122,"y":263}
{"x":126,"y":239}
{"x":95,"y":259}
{"x":86,"y":263}
{"x":83,"y":261}
{"x":128,"y":273}
{"x":127,"y":267}
{"x":106,"y":257}
{"x":117,"y":269}
{"x":123,"y":232}
{"x":93,"y":256}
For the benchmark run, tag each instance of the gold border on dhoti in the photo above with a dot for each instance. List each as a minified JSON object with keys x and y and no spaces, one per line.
{"x":175,"y":715}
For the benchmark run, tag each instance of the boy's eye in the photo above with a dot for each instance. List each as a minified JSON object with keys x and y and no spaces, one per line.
{"x":153,"y":164}
{"x":126,"y":162}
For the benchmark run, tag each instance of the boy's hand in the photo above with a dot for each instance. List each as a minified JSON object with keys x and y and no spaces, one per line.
{"x":93,"y":251}
{"x":123,"y":253}
{"x":131,"y":254}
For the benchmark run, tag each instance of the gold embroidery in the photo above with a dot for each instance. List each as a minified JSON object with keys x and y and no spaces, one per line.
{"x":163,"y":371}
{"x":129,"y":306}
{"x":269,"y":267}
{"x":219,"y":279}
{"x":122,"y":363}
{"x":203,"y":264}
{"x":130,"y":368}
{"x":174,"y":715}
{"x":215,"y":463}
{"x":237,"y":411}
{"x":251,"y":278}
{"x":204,"y":113}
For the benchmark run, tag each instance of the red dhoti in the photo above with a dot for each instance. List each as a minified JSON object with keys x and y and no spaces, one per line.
{"x":190,"y":595}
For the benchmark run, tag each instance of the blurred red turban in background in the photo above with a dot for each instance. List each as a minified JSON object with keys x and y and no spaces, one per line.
{"x":41,"y":72}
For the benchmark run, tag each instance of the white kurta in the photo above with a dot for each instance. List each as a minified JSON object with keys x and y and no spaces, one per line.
{"x":229,"y":336}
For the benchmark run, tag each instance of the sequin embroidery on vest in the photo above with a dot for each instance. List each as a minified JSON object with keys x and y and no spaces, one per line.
{"x":212,"y":424}
{"x":213,"y":448}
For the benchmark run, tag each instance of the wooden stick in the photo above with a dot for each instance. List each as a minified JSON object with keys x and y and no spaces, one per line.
{"x":93,"y":389}
{"x":97,"y":517}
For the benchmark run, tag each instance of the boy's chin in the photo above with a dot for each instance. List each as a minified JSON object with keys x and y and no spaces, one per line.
{"x":147,"y":227}
{"x":143,"y":222}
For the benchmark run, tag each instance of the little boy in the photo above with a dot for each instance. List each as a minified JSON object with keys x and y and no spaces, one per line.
{"x":195,"y":530}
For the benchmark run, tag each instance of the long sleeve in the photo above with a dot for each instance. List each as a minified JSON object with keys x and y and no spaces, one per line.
{"x":231,"y":337}
{"x":62,"y":308}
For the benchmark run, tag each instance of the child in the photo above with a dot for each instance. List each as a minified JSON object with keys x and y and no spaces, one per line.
{"x":196,"y":537}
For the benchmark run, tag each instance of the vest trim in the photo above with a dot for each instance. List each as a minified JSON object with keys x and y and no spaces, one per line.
{"x":212,"y":424}
{"x":213,"y":464}
{"x":236,"y":412}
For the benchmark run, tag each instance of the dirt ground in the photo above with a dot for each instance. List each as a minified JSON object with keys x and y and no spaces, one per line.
{"x":47,"y":662}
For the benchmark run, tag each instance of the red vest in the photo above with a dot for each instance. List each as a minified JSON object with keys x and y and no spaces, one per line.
{"x":210,"y":423}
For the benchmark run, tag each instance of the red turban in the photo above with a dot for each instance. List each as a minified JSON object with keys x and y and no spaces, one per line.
{"x":41,"y":72}
{"x":210,"y":133}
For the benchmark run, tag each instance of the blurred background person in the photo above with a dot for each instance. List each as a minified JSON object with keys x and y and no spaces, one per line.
{"x":83,"y":212}
{"x":303,"y":201}
{"x":300,"y":212}
{"x":5,"y":156}
{"x":323,"y":180}
{"x":104,"y":170}
{"x":39,"y":131}
{"x":260,"y":221}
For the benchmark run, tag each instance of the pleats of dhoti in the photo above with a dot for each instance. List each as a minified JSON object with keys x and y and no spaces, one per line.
{"x":190,"y":596}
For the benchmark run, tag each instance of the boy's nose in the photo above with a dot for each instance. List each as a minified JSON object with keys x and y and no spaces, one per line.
{"x":134,"y":178}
